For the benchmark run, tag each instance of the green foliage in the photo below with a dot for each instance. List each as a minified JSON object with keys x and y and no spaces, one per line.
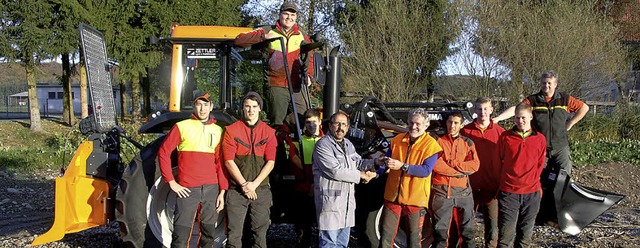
{"x":622,"y":123}
{"x":24,"y":150}
{"x":602,"y":151}
{"x":25,"y":29}
{"x":607,"y":137}
{"x":579,"y":43}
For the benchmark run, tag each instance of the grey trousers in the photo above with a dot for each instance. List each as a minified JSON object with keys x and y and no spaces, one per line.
{"x":560,"y":158}
{"x":186,"y":211}
{"x":516,"y":217}
{"x":443,"y":208}
{"x":280,"y":104}
{"x":238,"y":206}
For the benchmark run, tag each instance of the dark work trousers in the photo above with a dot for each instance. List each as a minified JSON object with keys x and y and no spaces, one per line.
{"x":489,"y":210}
{"x":391,"y":215}
{"x":186,"y":211}
{"x":516,"y":217}
{"x":442,"y":208}
{"x":560,"y":158}
{"x":280,"y":104}
{"x":304,"y":217}
{"x":237,"y":207}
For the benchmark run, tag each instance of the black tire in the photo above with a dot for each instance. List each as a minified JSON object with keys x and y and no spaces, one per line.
{"x":140,"y":180}
{"x":374,"y":229}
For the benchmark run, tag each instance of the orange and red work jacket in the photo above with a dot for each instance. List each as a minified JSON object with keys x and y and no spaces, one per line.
{"x":276,"y":71}
{"x":412,"y":187}
{"x":198,"y":146}
{"x":456,"y":162}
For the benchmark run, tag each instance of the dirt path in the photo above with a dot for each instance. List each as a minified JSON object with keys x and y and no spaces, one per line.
{"x":26,"y":210}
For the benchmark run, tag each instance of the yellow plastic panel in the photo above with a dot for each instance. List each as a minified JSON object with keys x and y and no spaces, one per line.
{"x":79,"y":201}
{"x":208,"y":32}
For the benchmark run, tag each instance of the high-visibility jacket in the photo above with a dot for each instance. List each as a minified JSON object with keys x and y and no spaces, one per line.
{"x":304,"y":177}
{"x":198,"y":146}
{"x":276,"y":71}
{"x":412,"y":187}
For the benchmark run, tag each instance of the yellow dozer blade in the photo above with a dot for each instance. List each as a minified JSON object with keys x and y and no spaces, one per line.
{"x":80,"y":200}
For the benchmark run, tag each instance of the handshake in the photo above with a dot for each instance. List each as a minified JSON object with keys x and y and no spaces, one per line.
{"x":366,"y":176}
{"x":390,"y":163}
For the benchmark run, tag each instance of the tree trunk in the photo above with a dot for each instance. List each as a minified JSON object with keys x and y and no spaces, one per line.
{"x":123,"y":100}
{"x":83,"y":87}
{"x":146,"y":93}
{"x":135,"y":98}
{"x":311,"y":17}
{"x":67,"y":100}
{"x":34,"y":109}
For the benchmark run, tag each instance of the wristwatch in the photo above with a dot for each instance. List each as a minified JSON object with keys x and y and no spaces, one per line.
{"x":404,"y":167}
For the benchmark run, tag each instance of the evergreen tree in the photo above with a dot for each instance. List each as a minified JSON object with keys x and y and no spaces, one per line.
{"x":26,"y":31}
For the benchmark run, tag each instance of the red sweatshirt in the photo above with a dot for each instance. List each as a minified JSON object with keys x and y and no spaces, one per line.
{"x":486,"y":141}
{"x":522,"y":159}
{"x":198,"y":146}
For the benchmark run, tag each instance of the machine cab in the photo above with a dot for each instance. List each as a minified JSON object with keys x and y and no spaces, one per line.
{"x":204,"y":59}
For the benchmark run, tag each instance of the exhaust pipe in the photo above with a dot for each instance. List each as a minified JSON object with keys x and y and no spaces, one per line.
{"x":331,"y":101}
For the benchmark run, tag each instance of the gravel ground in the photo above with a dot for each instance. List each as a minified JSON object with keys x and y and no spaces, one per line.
{"x":26,"y":211}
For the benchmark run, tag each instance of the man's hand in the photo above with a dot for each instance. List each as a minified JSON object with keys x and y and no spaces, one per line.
{"x":380,"y":161}
{"x":249,"y":190}
{"x":220,"y":201}
{"x":394,"y":164}
{"x":181,"y":191}
{"x":366,"y":176}
{"x":308,"y":81}
{"x":269,"y":36}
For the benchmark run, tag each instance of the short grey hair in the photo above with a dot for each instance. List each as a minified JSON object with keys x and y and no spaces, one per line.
{"x":549,"y":74}
{"x":417,"y":111}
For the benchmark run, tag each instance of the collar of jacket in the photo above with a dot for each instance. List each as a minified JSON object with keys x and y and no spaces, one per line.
{"x":449,"y":137}
{"x":543,"y":98}
{"x":294,"y":30}
{"x":251,"y":126}
{"x":211,"y":120}
{"x":476,"y":126}
{"x":515,"y":130}
{"x":407,"y":138}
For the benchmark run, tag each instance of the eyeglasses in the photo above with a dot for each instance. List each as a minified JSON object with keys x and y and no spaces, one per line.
{"x":338,"y":124}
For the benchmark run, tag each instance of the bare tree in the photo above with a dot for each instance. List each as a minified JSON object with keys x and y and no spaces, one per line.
{"x":470,"y":75}
{"x":393,"y":49}
{"x":529,"y":37}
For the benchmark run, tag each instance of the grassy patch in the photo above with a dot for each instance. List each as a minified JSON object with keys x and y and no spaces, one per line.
{"x":601,"y":151}
{"x":23,"y":150}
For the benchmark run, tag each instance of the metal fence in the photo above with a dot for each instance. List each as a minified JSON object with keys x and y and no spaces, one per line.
{"x":19,"y":108}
